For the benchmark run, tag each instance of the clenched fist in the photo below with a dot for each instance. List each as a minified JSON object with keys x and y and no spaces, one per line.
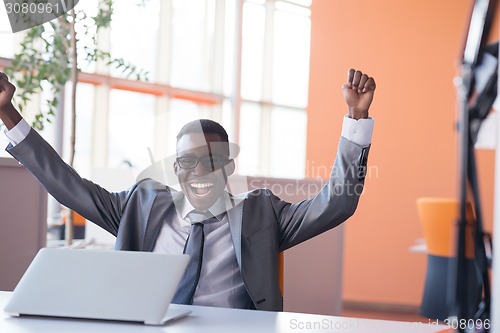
{"x":358,"y":93}
{"x":8,"y":113}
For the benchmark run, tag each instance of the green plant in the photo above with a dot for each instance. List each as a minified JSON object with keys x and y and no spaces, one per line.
{"x":51,"y":56}
{"x":47,"y":55}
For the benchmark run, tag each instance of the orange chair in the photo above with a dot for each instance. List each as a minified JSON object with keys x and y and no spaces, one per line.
{"x":438,"y":217}
{"x":78,"y":226}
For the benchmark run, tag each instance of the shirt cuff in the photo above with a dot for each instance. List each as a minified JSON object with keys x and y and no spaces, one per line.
{"x":19,"y":132}
{"x":358,"y":131}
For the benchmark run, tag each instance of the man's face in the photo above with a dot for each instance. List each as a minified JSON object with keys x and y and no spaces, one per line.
{"x":204,"y":183}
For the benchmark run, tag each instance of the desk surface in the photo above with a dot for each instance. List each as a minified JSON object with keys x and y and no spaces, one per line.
{"x":216,"y":320}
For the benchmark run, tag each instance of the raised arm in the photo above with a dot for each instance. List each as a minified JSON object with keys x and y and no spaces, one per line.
{"x":338,"y":199}
{"x":8,"y":113}
{"x":59,"y":179}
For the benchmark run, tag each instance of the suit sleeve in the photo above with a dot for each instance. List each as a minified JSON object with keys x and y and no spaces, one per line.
{"x":66,"y":186}
{"x":334,"y":204}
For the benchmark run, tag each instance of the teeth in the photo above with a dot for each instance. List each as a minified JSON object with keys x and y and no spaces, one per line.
{"x":202,"y":185}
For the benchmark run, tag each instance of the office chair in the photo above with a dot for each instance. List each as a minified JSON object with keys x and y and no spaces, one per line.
{"x":78,"y":226}
{"x":438,"y":217}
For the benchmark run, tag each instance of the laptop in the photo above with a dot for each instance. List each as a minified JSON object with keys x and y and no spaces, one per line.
{"x":100,"y":284}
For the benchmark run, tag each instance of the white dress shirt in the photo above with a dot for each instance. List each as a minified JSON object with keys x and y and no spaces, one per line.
{"x":220,"y":282}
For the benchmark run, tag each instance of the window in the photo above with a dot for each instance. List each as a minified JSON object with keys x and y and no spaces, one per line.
{"x":7,"y":42}
{"x":243,"y":63}
{"x":274,"y":87}
{"x":131,"y":129}
{"x":134,"y":34}
{"x":193,"y":45}
{"x":84,"y":142}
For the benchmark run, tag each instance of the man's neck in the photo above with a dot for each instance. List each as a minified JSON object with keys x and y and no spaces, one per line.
{"x":221,"y":206}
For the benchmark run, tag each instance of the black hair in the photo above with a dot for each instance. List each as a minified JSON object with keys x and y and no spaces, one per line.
{"x":207,"y":126}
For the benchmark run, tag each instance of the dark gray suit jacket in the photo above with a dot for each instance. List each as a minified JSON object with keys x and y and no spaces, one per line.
{"x":262,"y":225}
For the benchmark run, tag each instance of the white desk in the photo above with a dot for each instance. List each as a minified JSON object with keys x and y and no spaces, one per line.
{"x":216,"y":320}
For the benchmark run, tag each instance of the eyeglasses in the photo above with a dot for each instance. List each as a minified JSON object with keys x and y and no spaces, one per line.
{"x":211,"y":161}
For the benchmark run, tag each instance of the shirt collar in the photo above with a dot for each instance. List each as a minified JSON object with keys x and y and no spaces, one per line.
{"x":221,"y":206}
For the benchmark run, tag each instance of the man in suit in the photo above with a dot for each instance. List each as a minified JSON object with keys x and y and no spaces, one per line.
{"x":241,"y":235}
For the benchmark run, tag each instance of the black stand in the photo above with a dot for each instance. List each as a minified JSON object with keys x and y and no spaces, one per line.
{"x":469,"y":313}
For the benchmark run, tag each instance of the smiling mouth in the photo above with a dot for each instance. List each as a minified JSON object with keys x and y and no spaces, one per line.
{"x":201,"y":189}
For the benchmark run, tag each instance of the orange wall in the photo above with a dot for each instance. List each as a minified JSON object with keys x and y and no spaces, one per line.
{"x":410,"y":48}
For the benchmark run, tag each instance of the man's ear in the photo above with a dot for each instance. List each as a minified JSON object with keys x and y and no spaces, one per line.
{"x":229,"y":168}
{"x":176,"y":168}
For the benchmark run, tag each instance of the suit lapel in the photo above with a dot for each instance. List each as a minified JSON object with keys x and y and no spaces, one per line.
{"x":161,"y":206}
{"x":235,"y":219}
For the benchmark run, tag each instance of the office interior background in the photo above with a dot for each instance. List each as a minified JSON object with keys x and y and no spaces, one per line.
{"x":277,"y":90}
